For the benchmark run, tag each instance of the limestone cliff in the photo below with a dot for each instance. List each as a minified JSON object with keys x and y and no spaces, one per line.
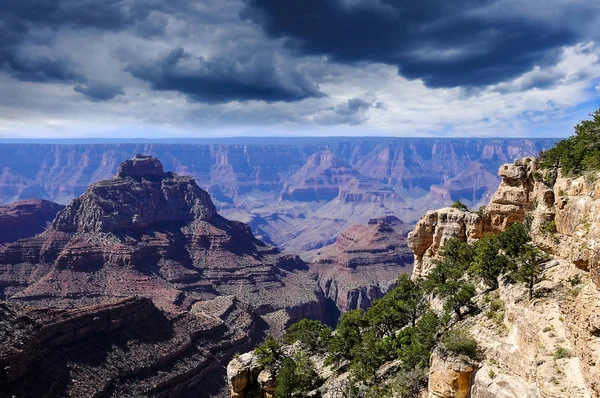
{"x":435,"y":228}
{"x":549,"y":347}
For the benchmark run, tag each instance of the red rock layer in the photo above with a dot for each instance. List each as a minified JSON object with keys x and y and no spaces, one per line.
{"x":125,"y":348}
{"x":149,"y":233}
{"x":364,"y":262}
{"x":26,"y":218}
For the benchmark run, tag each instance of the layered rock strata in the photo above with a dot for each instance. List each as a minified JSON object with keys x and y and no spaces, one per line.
{"x":26,"y":218}
{"x":155,"y":234}
{"x":520,"y":355}
{"x":124,"y":348}
{"x":517,"y":195}
{"x":364,"y":263}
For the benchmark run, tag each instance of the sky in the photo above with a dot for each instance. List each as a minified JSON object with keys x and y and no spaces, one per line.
{"x":177,"y":68}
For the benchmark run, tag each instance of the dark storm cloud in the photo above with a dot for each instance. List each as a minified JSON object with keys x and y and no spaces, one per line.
{"x":445,"y":43}
{"x":251,"y":73}
{"x":351,"y":112}
{"x":249,"y":76}
{"x":40,"y":68}
{"x":26,"y":22}
{"x":98,"y":91}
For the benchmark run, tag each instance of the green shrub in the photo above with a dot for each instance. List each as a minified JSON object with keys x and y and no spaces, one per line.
{"x":296,"y":377}
{"x":314,"y":335}
{"x":459,"y":205}
{"x":548,"y":227}
{"x":496,"y":308}
{"x":459,"y":341}
{"x":269,"y":354}
{"x":578,"y":153}
{"x":561,"y":352}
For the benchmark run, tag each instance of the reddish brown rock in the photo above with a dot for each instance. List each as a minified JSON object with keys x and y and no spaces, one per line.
{"x":319,"y":179}
{"x":26,"y":218}
{"x":124,"y":348}
{"x":364,"y":263}
{"x":155,"y":234}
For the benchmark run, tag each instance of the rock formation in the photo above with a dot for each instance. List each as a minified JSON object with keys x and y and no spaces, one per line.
{"x":204,"y":288}
{"x":449,"y":377}
{"x":520,"y":356}
{"x":435,"y":228}
{"x":548,"y":346}
{"x":122,"y":348}
{"x":364,"y":263}
{"x":512,"y":201}
{"x":26,"y":218}
{"x":155,"y":234}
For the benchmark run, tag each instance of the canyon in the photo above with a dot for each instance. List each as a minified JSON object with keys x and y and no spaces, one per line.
{"x":295,"y":193}
{"x":138,"y":247}
{"x":547,"y":345}
{"x":26,"y":218}
{"x":139,"y":287}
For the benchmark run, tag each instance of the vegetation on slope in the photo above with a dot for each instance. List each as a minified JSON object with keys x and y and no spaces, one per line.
{"x":401,"y":328}
{"x":578,"y":153}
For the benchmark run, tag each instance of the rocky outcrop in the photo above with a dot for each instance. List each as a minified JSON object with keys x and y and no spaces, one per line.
{"x":517,"y":195}
{"x":123,"y":348}
{"x":531,"y":351}
{"x":435,"y":228}
{"x":548,"y":347}
{"x":514,"y":197}
{"x":242,"y":375}
{"x":364,"y":263}
{"x":450,"y":377}
{"x":26,"y":218}
{"x":567,"y":220}
{"x":155,"y":234}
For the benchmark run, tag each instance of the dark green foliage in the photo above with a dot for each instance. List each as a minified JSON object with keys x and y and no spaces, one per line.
{"x":369,"y":356}
{"x":396,"y":326}
{"x":488,"y":263}
{"x":578,"y":153}
{"x":447,"y":280}
{"x":401,"y":326}
{"x":513,"y":239}
{"x":296,"y":377}
{"x":456,"y":257}
{"x":528,"y":269}
{"x":414,"y":345}
{"x":402,"y":306}
{"x":347,"y":336}
{"x":285,"y":379}
{"x":314,"y":335}
{"x":461,"y":295}
{"x":459,"y":341}
{"x":459,"y":205}
{"x":269,"y":354}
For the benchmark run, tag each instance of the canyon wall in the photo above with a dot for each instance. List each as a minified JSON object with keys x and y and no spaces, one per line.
{"x":296,"y":194}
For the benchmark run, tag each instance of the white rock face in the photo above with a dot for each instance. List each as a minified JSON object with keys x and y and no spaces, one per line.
{"x":242,"y":373}
{"x":434,"y":229}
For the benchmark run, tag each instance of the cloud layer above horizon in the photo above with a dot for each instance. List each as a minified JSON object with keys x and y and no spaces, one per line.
{"x":270,"y":67}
